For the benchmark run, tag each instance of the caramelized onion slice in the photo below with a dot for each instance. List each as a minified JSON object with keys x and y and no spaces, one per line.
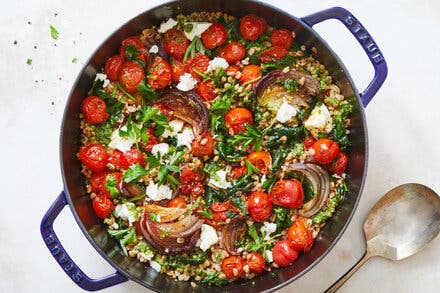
{"x":233,"y":233}
{"x":164,"y":214}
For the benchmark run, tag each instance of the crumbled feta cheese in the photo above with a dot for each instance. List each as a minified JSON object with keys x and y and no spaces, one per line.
{"x":155,"y":266}
{"x":286,"y":112}
{"x":197,"y":29}
{"x":217,"y":63}
{"x":154,"y":49}
{"x":186,"y":82}
{"x":185,"y":138}
{"x":156,"y":193}
{"x":167,"y":25}
{"x":102,"y":77}
{"x":263,"y":179}
{"x":267,"y":229}
{"x":176,"y":126}
{"x":160,"y":148}
{"x":269,"y":256}
{"x":115,"y":226}
{"x":220,"y":181}
{"x":126,"y":212}
{"x":319,"y":120}
{"x":208,"y":237}
{"x":120,"y":143}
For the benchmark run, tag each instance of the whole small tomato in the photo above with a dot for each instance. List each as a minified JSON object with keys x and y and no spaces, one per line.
{"x":197,"y":64}
{"x":233,"y":267}
{"x":326,"y":150}
{"x":103,"y":206}
{"x":237,"y":172}
{"x":205,"y":89}
{"x":256,"y":262}
{"x":272,"y":54}
{"x":204,"y":145}
{"x":161,"y":73}
{"x":262,"y":160}
{"x":150,"y":143}
{"x":131,"y":157}
{"x":338,"y":165}
{"x":178,"y":70}
{"x":232,"y":70}
{"x":237,"y":119}
{"x":131,"y":76}
{"x":250,"y":73}
{"x":97,"y":182}
{"x":113,"y":67}
{"x":287,"y":193}
{"x":94,"y":110}
{"x":299,"y":235}
{"x":232,"y":52}
{"x":137,"y":43}
{"x":177,"y":202}
{"x":214,"y":36}
{"x":283,"y":253}
{"x":259,"y":206}
{"x":192,"y":182}
{"x":251,"y":27}
{"x":281,"y":38}
{"x":175,"y":43}
{"x":94,"y":157}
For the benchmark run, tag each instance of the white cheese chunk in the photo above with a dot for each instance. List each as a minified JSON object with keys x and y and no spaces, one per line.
{"x":267,"y":229}
{"x":220,"y":180}
{"x":155,"y":266}
{"x":126,"y":213}
{"x":208,"y":237}
{"x":217,"y":63}
{"x":269,"y":256}
{"x":197,"y":29}
{"x":319,"y":120}
{"x":185,"y":138}
{"x":286,"y":112}
{"x":186,"y":82}
{"x":167,"y":25}
{"x":176,"y":127}
{"x":120,"y":143}
{"x":154,"y":49}
{"x":103,"y":77}
{"x":161,"y":149}
{"x":156,"y":193}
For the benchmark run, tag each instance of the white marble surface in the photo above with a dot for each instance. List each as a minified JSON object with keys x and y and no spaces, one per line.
{"x":403,"y":122}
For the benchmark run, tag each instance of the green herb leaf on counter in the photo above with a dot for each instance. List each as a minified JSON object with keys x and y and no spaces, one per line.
{"x":29,"y":61}
{"x":74,"y":60}
{"x":54,"y":32}
{"x":134,"y":173}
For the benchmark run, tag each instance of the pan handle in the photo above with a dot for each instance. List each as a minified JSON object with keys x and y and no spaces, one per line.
{"x":365,"y":40}
{"x":64,"y":260}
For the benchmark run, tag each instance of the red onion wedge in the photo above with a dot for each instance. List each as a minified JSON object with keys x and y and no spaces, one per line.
{"x":232,"y":233}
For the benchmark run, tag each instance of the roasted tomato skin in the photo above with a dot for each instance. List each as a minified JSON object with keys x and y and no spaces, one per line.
{"x":94,"y":110}
{"x":175,"y":43}
{"x":309,"y":141}
{"x":103,"y":206}
{"x":325,"y":150}
{"x":131,"y":76}
{"x":192,"y":182}
{"x":299,"y":235}
{"x":151,"y":142}
{"x":113,"y":67}
{"x":161,"y":73}
{"x":204,"y":145}
{"x":205,"y":89}
{"x":237,"y":119}
{"x":262,"y":160}
{"x":131,"y":157}
{"x":214,"y":36}
{"x":259,"y":206}
{"x":281,"y":38}
{"x":250,"y":74}
{"x":178,"y":70}
{"x":283,"y":253}
{"x":97,"y":182}
{"x":273,"y":54}
{"x":116,"y":159}
{"x":237,"y":172}
{"x":232,"y":52}
{"x":177,"y":202}
{"x":287,"y":193}
{"x":197,"y":64}
{"x":94,"y":157}
{"x":256,"y":262}
{"x":251,"y":27}
{"x":232,"y":267}
{"x":339,"y":164}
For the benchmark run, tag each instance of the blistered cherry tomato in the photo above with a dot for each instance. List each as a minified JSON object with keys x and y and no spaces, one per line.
{"x":116,"y":158}
{"x":131,"y":76}
{"x":97,"y":182}
{"x":232,"y":70}
{"x":259,"y":206}
{"x":94,"y":110}
{"x":273,"y":54}
{"x":236,"y":119}
{"x":326,"y":150}
{"x":283,"y":253}
{"x":219,"y":217}
{"x":175,"y":43}
{"x":251,"y":27}
{"x":299,"y":235}
{"x":204,"y":145}
{"x":205,"y":89}
{"x":161,"y":73}
{"x":103,"y":206}
{"x":197,"y":64}
{"x":233,"y":267}
{"x":250,"y":73}
{"x":136,"y":42}
{"x":131,"y":157}
{"x":237,"y":172}
{"x":151,"y":142}
{"x":281,"y":38}
{"x":94,"y":157}
{"x":287,"y":193}
{"x":214,"y":36}
{"x":178,"y":70}
{"x":262,"y":160}
{"x":177,"y":202}
{"x":113,"y":67}
{"x":309,"y":141}
{"x":256,"y":262}
{"x":192,"y":182}
{"x":232,"y":52}
{"x":339,"y":165}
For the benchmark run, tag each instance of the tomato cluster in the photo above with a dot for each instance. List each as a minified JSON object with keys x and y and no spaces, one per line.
{"x":234,"y":266}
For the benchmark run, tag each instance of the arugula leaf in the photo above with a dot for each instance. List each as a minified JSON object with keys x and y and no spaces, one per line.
{"x":213,"y":195}
{"x":134,"y":173}
{"x":206,"y":213}
{"x":124,"y":236}
{"x":214,"y":279}
{"x":111,"y":185}
{"x":287,"y":60}
{"x":147,"y":91}
{"x":282,"y":218}
{"x":53,"y":32}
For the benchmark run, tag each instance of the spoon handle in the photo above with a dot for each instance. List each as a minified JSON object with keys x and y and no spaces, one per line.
{"x":348,"y":274}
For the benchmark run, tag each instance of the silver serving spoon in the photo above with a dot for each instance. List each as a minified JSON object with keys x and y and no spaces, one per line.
{"x":400,"y":224}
